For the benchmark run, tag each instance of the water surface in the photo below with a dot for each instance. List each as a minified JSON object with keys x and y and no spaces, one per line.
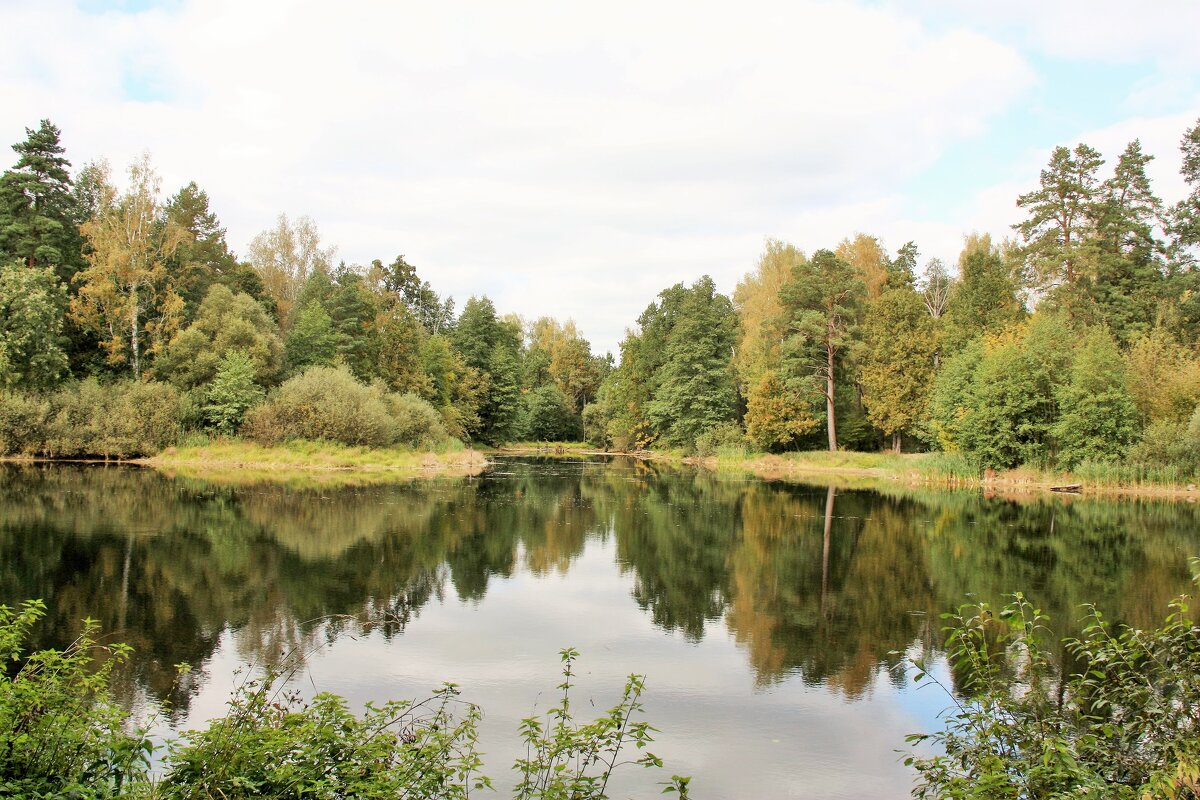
{"x":773,"y":621}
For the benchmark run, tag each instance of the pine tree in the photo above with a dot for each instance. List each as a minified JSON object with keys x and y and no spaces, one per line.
{"x":821,"y":304}
{"x":203,"y":258}
{"x":38,"y":216}
{"x":1062,"y":214}
{"x":694,"y":387}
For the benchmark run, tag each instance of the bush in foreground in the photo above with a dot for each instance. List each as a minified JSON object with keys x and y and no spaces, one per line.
{"x":1121,"y":723}
{"x":61,"y":735}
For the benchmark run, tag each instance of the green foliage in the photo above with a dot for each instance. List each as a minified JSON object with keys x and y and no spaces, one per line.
{"x":203,"y":259}
{"x":399,"y":342}
{"x":323,"y":403}
{"x":23,"y":419}
{"x":224,"y":322}
{"x":61,"y":734}
{"x":548,"y":416}
{"x":1000,"y":412}
{"x":32,"y":302}
{"x":726,"y":438}
{"x":896,"y":360}
{"x":1167,"y":444}
{"x":695,"y":387}
{"x":352,"y":312}
{"x":232,"y":392}
{"x":329,"y":404}
{"x":952,"y":398}
{"x":38,"y":211}
{"x":271,"y":744}
{"x":1097,"y":418}
{"x":118,"y":420}
{"x":1120,"y":723}
{"x":676,"y":378}
{"x":821,"y":304}
{"x":399,"y":285}
{"x":418,"y":423}
{"x":985,"y":297}
{"x":568,"y":761}
{"x":1062,"y":210}
{"x":777,"y":416}
{"x":492,"y":348}
{"x":596,"y":418}
{"x":312,"y":341}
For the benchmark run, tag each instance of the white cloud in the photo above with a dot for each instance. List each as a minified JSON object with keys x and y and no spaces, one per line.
{"x":563,"y":160}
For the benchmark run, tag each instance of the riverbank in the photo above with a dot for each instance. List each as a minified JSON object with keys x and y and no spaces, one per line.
{"x":944,"y":471}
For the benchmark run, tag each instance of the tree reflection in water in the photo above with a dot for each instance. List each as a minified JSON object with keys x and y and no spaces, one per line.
{"x":826,"y":584}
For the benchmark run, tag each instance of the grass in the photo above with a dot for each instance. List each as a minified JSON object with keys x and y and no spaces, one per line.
{"x":953,"y":470}
{"x":235,"y":460}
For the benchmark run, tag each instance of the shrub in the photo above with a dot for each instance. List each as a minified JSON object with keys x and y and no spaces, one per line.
{"x":118,"y":420}
{"x":1120,"y":724}
{"x":323,"y":403}
{"x":725,"y":437}
{"x":418,"y":423}
{"x":270,"y":744}
{"x":1166,"y":444}
{"x":147,"y":417}
{"x":60,"y":732}
{"x":22,"y":423}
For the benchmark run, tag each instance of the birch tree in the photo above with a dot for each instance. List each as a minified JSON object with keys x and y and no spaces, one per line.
{"x":125,"y":294}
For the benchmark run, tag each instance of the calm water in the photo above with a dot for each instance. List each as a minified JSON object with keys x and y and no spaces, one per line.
{"x":767,"y":617}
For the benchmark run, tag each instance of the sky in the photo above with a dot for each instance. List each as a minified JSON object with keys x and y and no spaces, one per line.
{"x":573,"y":160}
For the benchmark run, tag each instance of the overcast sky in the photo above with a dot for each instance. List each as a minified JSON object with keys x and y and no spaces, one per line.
{"x":575,"y":159}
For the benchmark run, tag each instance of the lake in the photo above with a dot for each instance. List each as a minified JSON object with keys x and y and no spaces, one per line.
{"x":773,"y":621}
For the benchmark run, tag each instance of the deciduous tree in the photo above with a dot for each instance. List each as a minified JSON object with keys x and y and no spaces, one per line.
{"x":285,"y":256}
{"x":125,"y":292}
{"x":896,"y":361}
{"x":32,"y":302}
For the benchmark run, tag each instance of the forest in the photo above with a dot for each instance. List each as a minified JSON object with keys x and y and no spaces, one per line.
{"x":127,"y":325}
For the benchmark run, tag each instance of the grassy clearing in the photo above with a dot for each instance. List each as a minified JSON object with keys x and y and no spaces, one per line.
{"x":234,"y":460}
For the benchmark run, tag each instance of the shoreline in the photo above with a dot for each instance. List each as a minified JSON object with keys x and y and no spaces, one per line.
{"x":228,"y":458}
{"x":1016,"y":483}
{"x":886,"y":470}
{"x":225,"y":459}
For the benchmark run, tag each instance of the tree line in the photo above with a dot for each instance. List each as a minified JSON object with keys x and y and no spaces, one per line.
{"x":1073,"y":342}
{"x":106,"y":289}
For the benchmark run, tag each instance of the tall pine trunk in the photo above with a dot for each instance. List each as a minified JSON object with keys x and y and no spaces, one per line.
{"x":830,"y":421}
